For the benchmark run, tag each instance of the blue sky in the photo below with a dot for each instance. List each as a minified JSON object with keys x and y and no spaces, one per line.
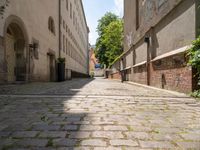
{"x":95,"y":9}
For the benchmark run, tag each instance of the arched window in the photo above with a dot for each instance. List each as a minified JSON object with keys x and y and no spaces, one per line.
{"x":51,"y":25}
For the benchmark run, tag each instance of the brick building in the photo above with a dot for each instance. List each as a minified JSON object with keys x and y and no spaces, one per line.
{"x":157,"y":34}
{"x":33,"y":36}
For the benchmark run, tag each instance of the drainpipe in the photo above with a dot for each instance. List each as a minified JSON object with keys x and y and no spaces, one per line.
{"x":59,"y":27}
{"x":147,"y":40}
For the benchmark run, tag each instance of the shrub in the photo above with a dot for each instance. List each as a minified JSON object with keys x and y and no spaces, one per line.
{"x":194,"y":61}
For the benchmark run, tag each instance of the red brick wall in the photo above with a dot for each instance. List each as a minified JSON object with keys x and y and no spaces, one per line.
{"x":116,"y":75}
{"x":172,"y":73}
{"x":139,"y":74}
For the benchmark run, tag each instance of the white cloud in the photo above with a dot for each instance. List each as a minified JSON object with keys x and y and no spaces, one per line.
{"x":119,"y":7}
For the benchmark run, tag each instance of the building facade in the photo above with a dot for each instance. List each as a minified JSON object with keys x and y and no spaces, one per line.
{"x":33,"y":37}
{"x":74,"y":38}
{"x":157,"y":34}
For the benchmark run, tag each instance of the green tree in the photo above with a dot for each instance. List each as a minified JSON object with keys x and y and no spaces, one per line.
{"x":109,"y":43}
{"x":113,"y":37}
{"x":105,"y":21}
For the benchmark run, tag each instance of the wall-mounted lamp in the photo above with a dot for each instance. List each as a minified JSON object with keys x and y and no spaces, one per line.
{"x":34,"y":50}
{"x":147,"y":39}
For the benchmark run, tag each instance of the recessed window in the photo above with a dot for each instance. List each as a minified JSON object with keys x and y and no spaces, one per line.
{"x":67,"y":4}
{"x":63,"y":43}
{"x":63,"y":24}
{"x":66,"y":46}
{"x":66,"y":28}
{"x":73,"y":17}
{"x":51,"y":25}
{"x":71,"y":10}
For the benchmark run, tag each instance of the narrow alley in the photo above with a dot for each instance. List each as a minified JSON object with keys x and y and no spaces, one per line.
{"x":93,"y":114}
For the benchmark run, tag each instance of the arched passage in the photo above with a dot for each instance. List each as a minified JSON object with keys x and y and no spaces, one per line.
{"x":16,"y":50}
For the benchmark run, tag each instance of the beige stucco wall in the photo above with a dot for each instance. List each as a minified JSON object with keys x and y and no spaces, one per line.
{"x":170,"y":24}
{"x":129,"y":26}
{"x":141,"y":53}
{"x":129,"y":59}
{"x":35,"y":15}
{"x":154,"y":11}
{"x":177,"y":29}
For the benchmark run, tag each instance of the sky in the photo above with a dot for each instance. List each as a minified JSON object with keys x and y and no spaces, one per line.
{"x":95,"y":9}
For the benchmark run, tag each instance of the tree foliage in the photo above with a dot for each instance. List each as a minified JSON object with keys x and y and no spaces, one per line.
{"x":194,"y":61}
{"x":109,"y":43}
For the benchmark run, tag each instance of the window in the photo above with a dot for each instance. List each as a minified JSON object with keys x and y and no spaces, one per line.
{"x":51,"y":25}
{"x":63,"y":24}
{"x":66,"y":28}
{"x":63,"y":43}
{"x":66,"y":46}
{"x":60,"y":19}
{"x":71,"y":10}
{"x":137,"y":15}
{"x":73,"y":17}
{"x":69,"y":49}
{"x":67,"y":4}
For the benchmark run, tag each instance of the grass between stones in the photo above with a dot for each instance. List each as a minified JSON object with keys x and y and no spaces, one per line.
{"x":50,"y":143}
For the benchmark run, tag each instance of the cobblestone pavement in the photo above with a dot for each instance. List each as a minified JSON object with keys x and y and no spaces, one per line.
{"x":96,"y":114}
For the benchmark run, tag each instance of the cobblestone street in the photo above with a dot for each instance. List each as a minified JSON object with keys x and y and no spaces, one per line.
{"x":99,"y":114}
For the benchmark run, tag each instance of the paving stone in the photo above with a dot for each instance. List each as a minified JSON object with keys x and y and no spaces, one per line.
{"x":3,"y":126}
{"x":141,"y":128}
{"x":123,"y":143}
{"x":16,"y":127}
{"x":194,"y":137}
{"x":6,"y":142}
{"x":169,"y":130}
{"x":166,"y":137}
{"x":79,"y":135}
{"x":107,"y":134}
{"x":52,"y":134}
{"x":156,"y":144}
{"x":135,"y":148}
{"x":108,"y":148}
{"x":81,"y":148}
{"x":89,"y":128}
{"x":189,"y":145}
{"x":103,"y":122}
{"x":32,"y":142}
{"x":93,"y":142}
{"x":115,"y":128}
{"x":65,"y":142}
{"x":82,"y":123}
{"x":44,"y":127}
{"x":73,"y":119}
{"x":138,"y":135}
{"x":4,"y":134}
{"x":24,"y":134}
{"x":70,"y":128}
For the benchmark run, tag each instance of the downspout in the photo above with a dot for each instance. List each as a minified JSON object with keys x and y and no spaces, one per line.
{"x":147,"y":41}
{"x":59,"y":28}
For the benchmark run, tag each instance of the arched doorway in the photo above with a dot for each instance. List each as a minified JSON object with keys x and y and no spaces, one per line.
{"x":15,"y":53}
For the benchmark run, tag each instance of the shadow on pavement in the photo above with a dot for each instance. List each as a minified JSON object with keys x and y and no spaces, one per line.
{"x":42,"y":123}
{"x":70,"y":87}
